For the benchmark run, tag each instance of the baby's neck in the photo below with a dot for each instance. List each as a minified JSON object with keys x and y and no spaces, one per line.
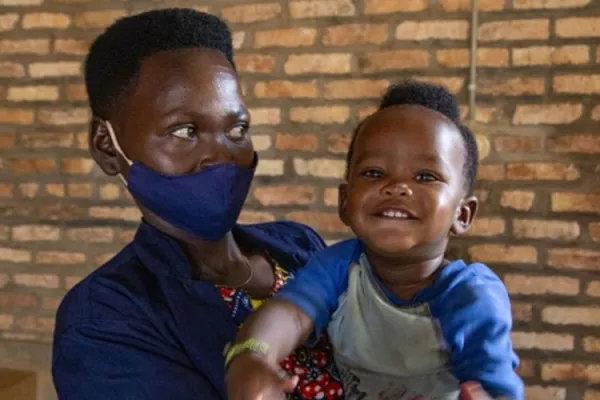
{"x":405,"y":278}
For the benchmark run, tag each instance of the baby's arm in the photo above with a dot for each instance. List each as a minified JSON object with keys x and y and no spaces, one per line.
{"x":476,"y":321}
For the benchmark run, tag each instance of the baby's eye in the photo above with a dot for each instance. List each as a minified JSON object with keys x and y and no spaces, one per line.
{"x":237,"y":132}
{"x":372,"y":173}
{"x":425,"y":177}
{"x":186,"y":132}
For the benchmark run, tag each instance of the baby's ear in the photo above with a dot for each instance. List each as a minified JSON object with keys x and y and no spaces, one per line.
{"x":343,"y":202}
{"x":465,"y":213}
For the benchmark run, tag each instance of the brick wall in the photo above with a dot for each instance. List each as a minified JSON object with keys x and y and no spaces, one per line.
{"x":311,"y":70}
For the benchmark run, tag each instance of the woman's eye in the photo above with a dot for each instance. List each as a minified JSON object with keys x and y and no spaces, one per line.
{"x":426,"y":177}
{"x":237,"y":133}
{"x":372,"y":173}
{"x":186,"y":132}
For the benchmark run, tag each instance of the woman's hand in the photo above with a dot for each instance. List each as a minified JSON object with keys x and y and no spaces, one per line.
{"x":251,"y":377}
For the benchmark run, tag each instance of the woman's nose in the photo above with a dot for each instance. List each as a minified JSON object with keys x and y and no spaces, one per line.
{"x":398,"y":189}
{"x":213,"y":152}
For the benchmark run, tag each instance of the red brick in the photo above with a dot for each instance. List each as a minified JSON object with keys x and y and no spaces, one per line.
{"x":14,"y":255}
{"x":521,"y":311}
{"x":91,"y":235}
{"x":77,"y":166}
{"x":491,"y":172}
{"x":110,"y":191}
{"x":286,"y":89}
{"x":550,"y":114}
{"x":320,"y":115}
{"x":29,"y":190}
{"x":584,"y":316}
{"x":594,"y":229}
{"x":285,"y":195}
{"x":17,"y":300}
{"x":486,"y":57}
{"x":47,"y":281}
{"x":26,"y":46}
{"x":72,"y":116}
{"x":270,"y":168}
{"x":574,"y":259}
{"x":330,"y":197}
{"x":487,"y":227}
{"x":376,"y":7}
{"x":355,"y":88}
{"x":545,"y":229}
{"x":320,"y":167}
{"x":352,"y":34}
{"x":16,"y":116}
{"x":6,"y":190}
{"x":55,"y":189}
{"x":517,"y":144}
{"x":265,"y":116}
{"x":520,"y":29}
{"x":98,"y":19}
{"x":592,"y":395}
{"x":393,"y":60}
{"x":291,"y":142}
{"x":80,"y":190}
{"x":542,"y":171}
{"x":251,"y":12}
{"x":427,"y":30}
{"x":577,"y":27}
{"x":543,"y":4}
{"x":51,"y":303}
{"x":46,"y":140}
{"x":8,"y":21}
{"x":542,"y":341}
{"x":21,"y":3}
{"x":33,"y":93}
{"x":526,"y":368}
{"x":321,"y":8}
{"x":585,"y":143}
{"x":498,"y":253}
{"x":545,"y":393}
{"x":7,"y":142}
{"x":576,"y":84}
{"x":512,"y":86}
{"x":54,"y":69}
{"x":549,"y":55}
{"x":11,"y":70}
{"x":255,"y":63}
{"x":322,"y":222}
{"x":21,"y":166}
{"x":596,"y":113}
{"x":330,"y":63}
{"x":59,"y":257}
{"x":539,"y":285}
{"x":6,"y":321}
{"x":35,"y":233}
{"x":116,"y":213}
{"x":76,"y":92}
{"x":36,"y":323}
{"x":338,"y":143}
{"x":46,"y":20}
{"x":71,"y":46}
{"x":575,"y":202}
{"x":255,"y":217}
{"x":465,"y":5}
{"x":591,"y":344}
{"x":291,"y":37}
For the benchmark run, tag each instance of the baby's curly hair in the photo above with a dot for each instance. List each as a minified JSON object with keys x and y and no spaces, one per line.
{"x":435,"y":98}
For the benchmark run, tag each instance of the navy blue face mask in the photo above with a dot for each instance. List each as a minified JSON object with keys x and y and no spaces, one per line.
{"x":205,"y":204}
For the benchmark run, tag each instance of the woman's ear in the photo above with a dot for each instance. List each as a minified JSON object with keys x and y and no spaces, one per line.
{"x":102,"y":148}
{"x":343,"y":202}
{"x":465,"y":213}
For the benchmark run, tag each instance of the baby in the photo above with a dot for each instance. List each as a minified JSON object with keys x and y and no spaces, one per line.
{"x":404,"y":321}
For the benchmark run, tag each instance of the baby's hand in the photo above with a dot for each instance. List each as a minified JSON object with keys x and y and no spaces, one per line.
{"x":251,"y":377}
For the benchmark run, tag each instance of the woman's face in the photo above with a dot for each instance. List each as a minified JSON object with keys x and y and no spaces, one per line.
{"x":183,"y":113}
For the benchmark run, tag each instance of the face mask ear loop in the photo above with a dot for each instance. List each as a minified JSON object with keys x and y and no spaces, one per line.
{"x":113,"y":137}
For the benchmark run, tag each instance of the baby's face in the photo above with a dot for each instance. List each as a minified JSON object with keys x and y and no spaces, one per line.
{"x":405,"y":186}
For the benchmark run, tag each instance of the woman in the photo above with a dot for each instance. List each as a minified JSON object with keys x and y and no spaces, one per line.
{"x":153,"y":322}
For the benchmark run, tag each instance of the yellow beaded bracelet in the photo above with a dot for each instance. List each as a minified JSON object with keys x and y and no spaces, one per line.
{"x":250,"y":345}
